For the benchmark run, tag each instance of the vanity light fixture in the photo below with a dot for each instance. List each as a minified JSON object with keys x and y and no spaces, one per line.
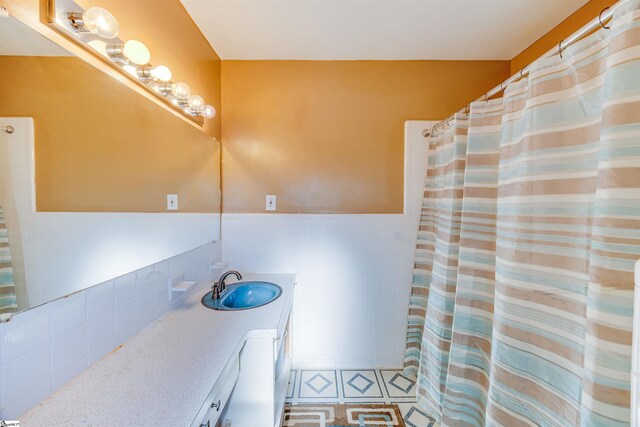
{"x":133,"y":51}
{"x":209,"y":112}
{"x":159,"y":73}
{"x":95,"y":20}
{"x":97,"y":30}
{"x":195,"y":102}
{"x":181,"y":90}
{"x":136,"y":51}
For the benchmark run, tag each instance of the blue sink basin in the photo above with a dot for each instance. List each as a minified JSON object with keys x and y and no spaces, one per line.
{"x":243,"y":295}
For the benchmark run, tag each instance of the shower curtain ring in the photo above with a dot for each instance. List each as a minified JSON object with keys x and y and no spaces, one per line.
{"x":560,"y":48}
{"x":486,"y":98}
{"x":600,"y":19}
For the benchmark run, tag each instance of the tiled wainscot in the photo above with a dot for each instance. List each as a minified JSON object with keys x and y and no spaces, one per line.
{"x":45,"y":347}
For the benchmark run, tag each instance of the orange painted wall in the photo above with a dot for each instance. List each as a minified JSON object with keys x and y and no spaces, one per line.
{"x":563,"y":30}
{"x":328,"y":136}
{"x":101,"y":147}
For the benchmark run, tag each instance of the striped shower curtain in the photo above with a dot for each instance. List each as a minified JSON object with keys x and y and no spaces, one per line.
{"x":521,"y":308}
{"x":8,"y":301}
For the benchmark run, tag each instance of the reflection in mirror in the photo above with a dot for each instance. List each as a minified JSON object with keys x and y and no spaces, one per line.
{"x":84,"y":176}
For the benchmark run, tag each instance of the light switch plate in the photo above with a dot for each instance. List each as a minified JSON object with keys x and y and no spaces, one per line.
{"x":271,"y":202}
{"x":172,"y":202}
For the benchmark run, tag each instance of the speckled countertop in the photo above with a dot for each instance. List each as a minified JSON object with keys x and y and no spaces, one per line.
{"x":162,"y":376}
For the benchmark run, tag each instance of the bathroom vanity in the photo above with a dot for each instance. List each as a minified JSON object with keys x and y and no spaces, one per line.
{"x":194,"y":367}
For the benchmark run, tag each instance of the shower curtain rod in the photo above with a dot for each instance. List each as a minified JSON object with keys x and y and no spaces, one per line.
{"x":599,"y":21}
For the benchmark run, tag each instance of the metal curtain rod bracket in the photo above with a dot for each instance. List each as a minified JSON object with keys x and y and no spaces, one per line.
{"x":605,"y":15}
{"x":8,"y":129}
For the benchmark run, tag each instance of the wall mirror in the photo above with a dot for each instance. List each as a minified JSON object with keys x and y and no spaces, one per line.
{"x":86,"y":165}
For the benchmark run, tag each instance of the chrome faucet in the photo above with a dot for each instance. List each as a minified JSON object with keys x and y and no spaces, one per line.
{"x":219,"y":287}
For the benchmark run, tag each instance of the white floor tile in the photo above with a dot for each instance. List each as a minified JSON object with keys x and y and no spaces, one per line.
{"x":318,"y":384}
{"x":397,"y":385}
{"x":360,"y":384}
{"x":415,"y":416}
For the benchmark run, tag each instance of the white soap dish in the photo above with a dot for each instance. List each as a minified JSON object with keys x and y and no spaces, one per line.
{"x":179,"y":285}
{"x":182,"y":286}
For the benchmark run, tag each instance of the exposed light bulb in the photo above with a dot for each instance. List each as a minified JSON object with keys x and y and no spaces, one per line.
{"x":181,"y":90}
{"x":209,"y":112}
{"x":196,"y":102}
{"x":136,"y":52}
{"x":101,"y":22}
{"x":161,"y":73}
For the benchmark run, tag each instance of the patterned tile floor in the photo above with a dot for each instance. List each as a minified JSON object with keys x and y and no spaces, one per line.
{"x":359,"y":386}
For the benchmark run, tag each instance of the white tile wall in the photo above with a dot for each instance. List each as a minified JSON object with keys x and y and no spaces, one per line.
{"x":101,"y":336}
{"x":353,"y":271}
{"x":77,"y":249}
{"x":43,"y":348}
{"x":68,"y":313}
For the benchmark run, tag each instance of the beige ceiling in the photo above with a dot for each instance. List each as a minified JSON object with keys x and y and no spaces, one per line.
{"x":371,"y":29}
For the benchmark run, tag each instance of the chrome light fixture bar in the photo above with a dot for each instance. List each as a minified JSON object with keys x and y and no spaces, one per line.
{"x":96,"y":30}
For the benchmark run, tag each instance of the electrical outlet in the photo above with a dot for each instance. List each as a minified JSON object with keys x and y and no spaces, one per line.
{"x":172,"y":202}
{"x":271,"y":202}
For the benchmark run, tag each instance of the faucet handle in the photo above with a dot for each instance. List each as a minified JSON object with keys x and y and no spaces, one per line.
{"x":216,"y":291}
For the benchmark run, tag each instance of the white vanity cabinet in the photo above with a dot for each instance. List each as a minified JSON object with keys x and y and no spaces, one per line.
{"x":252,"y":389}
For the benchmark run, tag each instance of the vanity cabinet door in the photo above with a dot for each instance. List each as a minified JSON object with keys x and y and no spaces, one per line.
{"x":219,"y":395}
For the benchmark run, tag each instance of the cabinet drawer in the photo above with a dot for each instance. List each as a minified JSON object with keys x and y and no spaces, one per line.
{"x":220,"y":393}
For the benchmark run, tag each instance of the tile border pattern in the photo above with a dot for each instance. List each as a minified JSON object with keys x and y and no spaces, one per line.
{"x":405,"y":398}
